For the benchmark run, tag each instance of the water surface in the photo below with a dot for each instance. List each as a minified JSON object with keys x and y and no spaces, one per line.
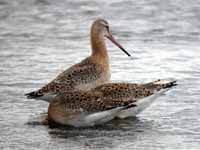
{"x":40,"y":38}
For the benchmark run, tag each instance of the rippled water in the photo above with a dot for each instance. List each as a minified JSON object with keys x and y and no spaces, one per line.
{"x":40,"y":38}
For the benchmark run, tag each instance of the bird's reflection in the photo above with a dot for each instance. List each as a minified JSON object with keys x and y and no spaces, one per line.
{"x":112,"y":128}
{"x":101,"y":136}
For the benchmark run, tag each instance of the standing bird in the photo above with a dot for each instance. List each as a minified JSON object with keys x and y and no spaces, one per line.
{"x":89,"y":73}
{"x":103,"y":103}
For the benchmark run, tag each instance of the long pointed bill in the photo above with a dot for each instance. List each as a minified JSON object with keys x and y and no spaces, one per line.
{"x":110,"y":37}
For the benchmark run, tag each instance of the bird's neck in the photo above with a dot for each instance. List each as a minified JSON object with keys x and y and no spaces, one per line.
{"x":98,"y":45}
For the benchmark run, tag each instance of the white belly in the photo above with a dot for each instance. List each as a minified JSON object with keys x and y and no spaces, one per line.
{"x":83,"y":120}
{"x":142,"y":104}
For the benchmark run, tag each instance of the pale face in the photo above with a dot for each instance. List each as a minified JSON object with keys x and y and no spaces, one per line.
{"x":102,"y":27}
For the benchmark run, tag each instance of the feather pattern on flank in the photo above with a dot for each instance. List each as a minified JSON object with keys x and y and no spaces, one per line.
{"x":105,"y":102}
{"x":89,"y":73}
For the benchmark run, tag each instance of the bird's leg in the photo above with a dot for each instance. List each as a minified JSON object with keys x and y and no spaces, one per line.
{"x":45,"y":121}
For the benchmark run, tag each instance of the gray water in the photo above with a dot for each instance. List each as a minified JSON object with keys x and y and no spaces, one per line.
{"x":41,"y":38}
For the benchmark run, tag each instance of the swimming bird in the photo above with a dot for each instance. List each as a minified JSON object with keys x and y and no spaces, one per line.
{"x":89,"y":73}
{"x":103,"y":103}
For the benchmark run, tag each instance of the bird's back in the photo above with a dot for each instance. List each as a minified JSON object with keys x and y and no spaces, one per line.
{"x":103,"y":103}
{"x":82,"y":76}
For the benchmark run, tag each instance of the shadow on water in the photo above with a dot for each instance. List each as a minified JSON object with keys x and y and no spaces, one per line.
{"x":112,"y":128}
{"x":115,"y":127}
{"x":103,"y":136}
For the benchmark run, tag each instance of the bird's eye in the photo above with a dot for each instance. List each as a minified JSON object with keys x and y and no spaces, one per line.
{"x":107,"y":27}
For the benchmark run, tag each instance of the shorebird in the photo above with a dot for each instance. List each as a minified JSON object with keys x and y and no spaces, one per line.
{"x":103,"y":103}
{"x":89,"y":73}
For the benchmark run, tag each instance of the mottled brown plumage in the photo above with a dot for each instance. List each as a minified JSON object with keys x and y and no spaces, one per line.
{"x":68,"y":106}
{"x":121,"y":90}
{"x":85,"y":75}
{"x":89,"y":73}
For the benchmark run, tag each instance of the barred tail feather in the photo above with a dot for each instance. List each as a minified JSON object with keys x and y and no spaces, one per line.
{"x":160,"y":87}
{"x":165,"y":83}
{"x":33,"y":95}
